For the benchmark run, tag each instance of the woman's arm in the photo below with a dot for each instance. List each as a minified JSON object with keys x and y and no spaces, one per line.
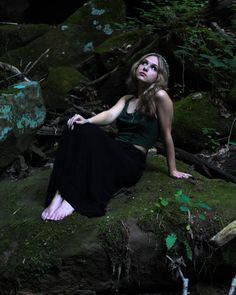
{"x":165,"y":115}
{"x":103,"y":118}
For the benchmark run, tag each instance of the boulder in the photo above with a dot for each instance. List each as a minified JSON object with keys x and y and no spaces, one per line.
{"x":124,"y":250}
{"x":59,"y":82}
{"x":197,"y":123}
{"x":72,"y":41}
{"x":21,"y":114}
{"x":14,"y":36}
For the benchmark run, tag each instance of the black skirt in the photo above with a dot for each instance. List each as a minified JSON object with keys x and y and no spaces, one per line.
{"x":90,"y":166}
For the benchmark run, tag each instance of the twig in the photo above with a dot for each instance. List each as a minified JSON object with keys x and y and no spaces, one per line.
{"x":218,"y":29}
{"x":8,"y":23}
{"x":175,"y":264}
{"x":100,"y":78}
{"x":16,"y":72}
{"x":37,"y":60}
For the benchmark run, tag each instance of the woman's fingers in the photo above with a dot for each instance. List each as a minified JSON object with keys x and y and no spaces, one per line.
{"x":178,"y":174}
{"x":76,"y":119}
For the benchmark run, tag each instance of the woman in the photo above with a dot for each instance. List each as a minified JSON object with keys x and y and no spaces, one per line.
{"x":90,"y":166}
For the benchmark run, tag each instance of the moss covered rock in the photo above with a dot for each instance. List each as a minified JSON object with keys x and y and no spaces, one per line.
{"x":125,"y":248}
{"x":60,"y":80}
{"x":198,"y":124}
{"x":22,"y":112}
{"x":14,"y":36}
{"x":71,"y":41}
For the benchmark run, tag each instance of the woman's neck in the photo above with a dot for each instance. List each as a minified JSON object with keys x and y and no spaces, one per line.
{"x":141,"y":88}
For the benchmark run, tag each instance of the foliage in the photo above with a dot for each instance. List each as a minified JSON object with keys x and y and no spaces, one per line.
{"x":209,"y":53}
{"x":167,"y":14}
{"x":211,"y":133}
{"x":197,"y":46}
{"x":188,"y":210}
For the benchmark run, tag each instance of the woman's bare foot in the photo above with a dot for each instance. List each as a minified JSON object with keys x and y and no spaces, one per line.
{"x":56,"y":202}
{"x":65,"y":209}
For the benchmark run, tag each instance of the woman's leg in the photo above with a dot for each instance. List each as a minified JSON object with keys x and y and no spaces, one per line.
{"x":89,"y":168}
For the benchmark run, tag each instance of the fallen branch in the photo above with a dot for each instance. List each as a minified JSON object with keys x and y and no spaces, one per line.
{"x":225,"y":235}
{"x":200,"y":165}
{"x":218,"y":29}
{"x":13,"y":70}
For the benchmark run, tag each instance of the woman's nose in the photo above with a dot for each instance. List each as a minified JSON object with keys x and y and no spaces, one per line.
{"x":145,"y":68}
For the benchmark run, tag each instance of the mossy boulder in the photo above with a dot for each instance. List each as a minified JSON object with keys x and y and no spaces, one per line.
{"x":198,"y":124}
{"x":124,"y":249}
{"x":14,"y":36}
{"x":115,"y":49}
{"x":59,"y":82}
{"x":22,"y":112}
{"x":72,"y":41}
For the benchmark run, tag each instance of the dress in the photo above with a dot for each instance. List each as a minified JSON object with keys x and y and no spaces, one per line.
{"x":90,"y":166}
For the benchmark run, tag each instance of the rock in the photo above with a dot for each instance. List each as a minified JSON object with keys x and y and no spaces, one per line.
{"x":197,"y":123}
{"x":125,"y":249}
{"x":13,"y":36}
{"x":71,"y":41}
{"x":21,"y":113}
{"x":59,"y":82}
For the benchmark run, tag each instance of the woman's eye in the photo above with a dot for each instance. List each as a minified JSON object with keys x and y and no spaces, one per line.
{"x":154,"y":68}
{"x":144,"y":63}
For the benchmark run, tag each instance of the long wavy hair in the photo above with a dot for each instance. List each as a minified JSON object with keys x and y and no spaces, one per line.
{"x":147,"y":105}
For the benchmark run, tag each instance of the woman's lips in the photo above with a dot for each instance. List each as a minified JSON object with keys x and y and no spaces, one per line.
{"x":142,"y":74}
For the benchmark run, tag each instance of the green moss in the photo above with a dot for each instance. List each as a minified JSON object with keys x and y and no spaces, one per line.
{"x":120,"y":40}
{"x":60,"y":80}
{"x":37,"y":245}
{"x":16,"y":36}
{"x":192,"y":115}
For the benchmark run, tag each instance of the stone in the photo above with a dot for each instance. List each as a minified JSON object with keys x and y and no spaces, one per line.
{"x":22,"y":112}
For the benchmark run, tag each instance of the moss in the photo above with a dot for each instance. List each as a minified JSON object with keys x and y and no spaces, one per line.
{"x":20,"y":35}
{"x":60,"y":80}
{"x":120,"y":40}
{"x":28,"y":243}
{"x":192,"y":115}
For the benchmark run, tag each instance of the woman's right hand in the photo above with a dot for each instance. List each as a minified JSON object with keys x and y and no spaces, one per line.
{"x":76,"y":119}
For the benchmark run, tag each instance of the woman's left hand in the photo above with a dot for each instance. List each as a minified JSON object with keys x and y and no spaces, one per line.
{"x":178,"y":174}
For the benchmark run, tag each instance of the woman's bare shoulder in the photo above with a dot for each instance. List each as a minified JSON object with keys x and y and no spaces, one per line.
{"x":162,"y":97}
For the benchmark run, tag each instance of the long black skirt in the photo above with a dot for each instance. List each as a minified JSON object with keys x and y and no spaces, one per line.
{"x":90,"y":166}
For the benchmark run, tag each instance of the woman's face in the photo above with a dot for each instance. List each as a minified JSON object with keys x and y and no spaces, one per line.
{"x":147,"y":70}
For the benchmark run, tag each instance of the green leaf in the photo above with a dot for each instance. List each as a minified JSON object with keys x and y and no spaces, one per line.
{"x":178,"y":193}
{"x":184,"y":199}
{"x":170,"y":241}
{"x":189,"y":252}
{"x":183,"y":209}
{"x":202,"y":216}
{"x":204,"y":206}
{"x":164,"y":202}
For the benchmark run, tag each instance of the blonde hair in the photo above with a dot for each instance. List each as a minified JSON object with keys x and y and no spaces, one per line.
{"x":147,"y":105}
